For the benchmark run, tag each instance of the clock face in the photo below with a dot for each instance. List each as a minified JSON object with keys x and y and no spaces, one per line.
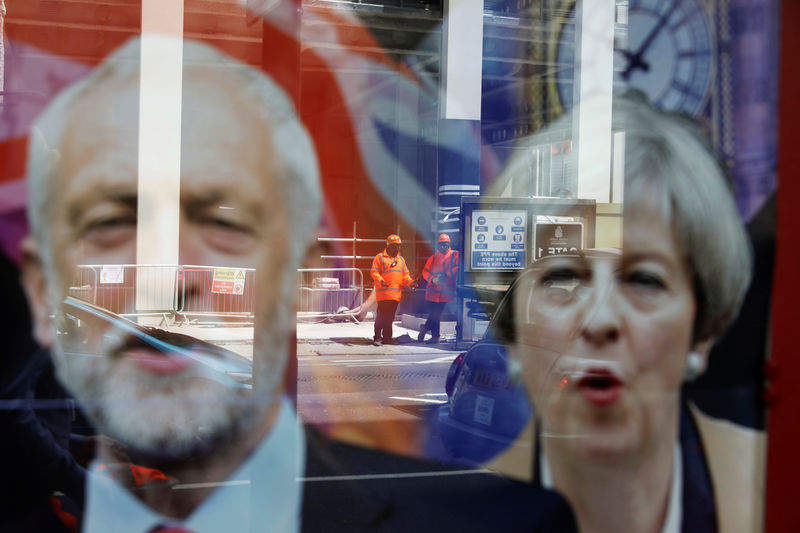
{"x":669,"y":52}
{"x":666,"y":54}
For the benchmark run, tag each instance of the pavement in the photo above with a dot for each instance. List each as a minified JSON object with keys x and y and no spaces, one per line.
{"x":348,"y":338}
{"x":343,"y":338}
{"x":377,"y":396}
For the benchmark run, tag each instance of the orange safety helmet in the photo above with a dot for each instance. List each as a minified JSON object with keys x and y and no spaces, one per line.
{"x":393,"y":239}
{"x":444,"y":238}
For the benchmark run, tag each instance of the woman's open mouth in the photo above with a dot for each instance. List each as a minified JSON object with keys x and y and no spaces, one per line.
{"x":600,"y":387}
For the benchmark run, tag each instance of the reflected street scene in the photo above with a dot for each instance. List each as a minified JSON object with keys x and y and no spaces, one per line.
{"x":332,"y":265}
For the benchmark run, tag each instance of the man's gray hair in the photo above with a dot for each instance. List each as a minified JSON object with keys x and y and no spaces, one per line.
{"x":291,"y":143}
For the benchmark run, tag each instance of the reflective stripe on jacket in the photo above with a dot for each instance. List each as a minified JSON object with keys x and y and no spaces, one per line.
{"x":446,"y":265}
{"x":393,"y":272}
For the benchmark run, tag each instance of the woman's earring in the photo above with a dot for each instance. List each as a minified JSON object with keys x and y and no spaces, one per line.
{"x":694,"y":366}
{"x":514,"y":370}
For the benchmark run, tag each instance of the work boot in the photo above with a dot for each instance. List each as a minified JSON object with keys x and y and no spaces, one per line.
{"x":376,"y":342}
{"x":433,"y":340}
{"x":422,"y":331}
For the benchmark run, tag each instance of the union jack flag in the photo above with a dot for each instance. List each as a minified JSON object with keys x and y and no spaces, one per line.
{"x":372,"y":118}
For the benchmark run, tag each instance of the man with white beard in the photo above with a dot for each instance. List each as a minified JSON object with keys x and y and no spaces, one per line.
{"x":250,"y":198}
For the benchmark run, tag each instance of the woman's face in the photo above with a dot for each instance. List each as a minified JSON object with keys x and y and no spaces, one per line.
{"x":603,"y":339}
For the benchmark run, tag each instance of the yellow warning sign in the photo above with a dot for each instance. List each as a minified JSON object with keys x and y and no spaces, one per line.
{"x":228,"y":281}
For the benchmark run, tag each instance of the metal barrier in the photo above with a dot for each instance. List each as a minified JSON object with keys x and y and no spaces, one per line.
{"x":355,"y":240}
{"x":371,"y":246}
{"x":84,"y":284}
{"x":130,"y":290}
{"x":184,"y":291}
{"x":214,"y":291}
{"x":323,"y":291}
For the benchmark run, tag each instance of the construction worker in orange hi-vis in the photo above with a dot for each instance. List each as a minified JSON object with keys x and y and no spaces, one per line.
{"x":441,"y":271}
{"x":390,"y":272}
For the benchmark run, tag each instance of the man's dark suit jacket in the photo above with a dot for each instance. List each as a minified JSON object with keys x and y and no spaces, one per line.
{"x":35,"y":420}
{"x":353,"y":489}
{"x":348,"y":488}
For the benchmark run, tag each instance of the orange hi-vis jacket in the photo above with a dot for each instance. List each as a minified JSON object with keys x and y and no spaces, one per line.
{"x":390,"y":275}
{"x":446,"y":265}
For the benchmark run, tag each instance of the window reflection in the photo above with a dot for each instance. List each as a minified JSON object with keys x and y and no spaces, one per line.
{"x":208,"y":184}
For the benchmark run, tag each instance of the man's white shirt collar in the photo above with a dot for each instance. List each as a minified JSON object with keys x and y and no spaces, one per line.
{"x":263,"y":493}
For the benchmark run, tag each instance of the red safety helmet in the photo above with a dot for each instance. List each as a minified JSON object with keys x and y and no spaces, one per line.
{"x":393,"y":239}
{"x":444,"y":238}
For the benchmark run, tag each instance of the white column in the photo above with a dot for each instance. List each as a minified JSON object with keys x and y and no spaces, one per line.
{"x":462,"y":59}
{"x":2,"y":47}
{"x":618,"y":169}
{"x":159,"y":149}
{"x":594,"y":76}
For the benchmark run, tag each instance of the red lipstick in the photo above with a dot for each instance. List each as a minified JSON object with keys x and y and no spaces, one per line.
{"x":600,"y":387}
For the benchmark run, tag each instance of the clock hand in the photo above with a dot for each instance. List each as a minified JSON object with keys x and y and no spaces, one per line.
{"x":619,"y":49}
{"x":657,"y":28}
{"x":635,"y":60}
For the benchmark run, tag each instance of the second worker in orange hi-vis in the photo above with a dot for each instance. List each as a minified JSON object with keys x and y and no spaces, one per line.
{"x":441,"y":271}
{"x":390,"y":272}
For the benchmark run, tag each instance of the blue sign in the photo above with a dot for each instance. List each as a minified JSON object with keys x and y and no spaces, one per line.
{"x":498,"y":252}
